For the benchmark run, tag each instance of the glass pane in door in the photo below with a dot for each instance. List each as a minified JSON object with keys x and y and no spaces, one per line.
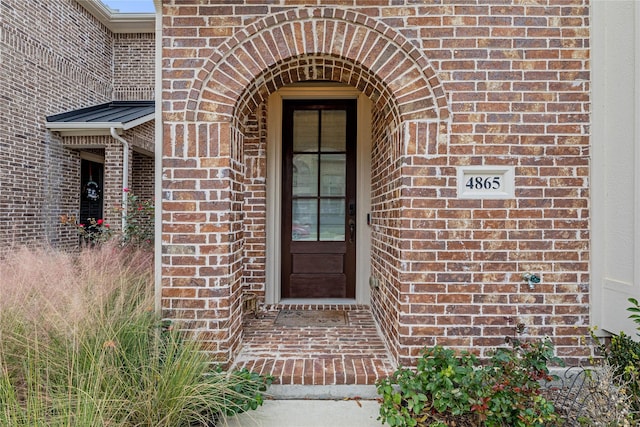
{"x":334,"y":130}
{"x":332,"y":220}
{"x":305,"y":130}
{"x":305,"y":175}
{"x":333,"y":174}
{"x":304,"y":220}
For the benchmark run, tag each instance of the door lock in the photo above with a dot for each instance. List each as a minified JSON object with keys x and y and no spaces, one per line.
{"x":352,"y":209}
{"x":352,"y":231}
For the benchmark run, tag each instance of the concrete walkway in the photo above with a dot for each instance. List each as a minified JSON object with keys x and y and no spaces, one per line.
{"x":310,"y":413}
{"x":313,"y":406}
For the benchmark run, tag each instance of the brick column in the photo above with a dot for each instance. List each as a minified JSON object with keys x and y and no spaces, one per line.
{"x":201,"y":240}
{"x":112,"y":191}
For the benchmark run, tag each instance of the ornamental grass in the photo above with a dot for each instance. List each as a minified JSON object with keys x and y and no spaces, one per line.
{"x":80,"y":345}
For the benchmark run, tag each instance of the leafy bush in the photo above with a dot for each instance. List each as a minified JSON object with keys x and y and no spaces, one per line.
{"x":139,"y":226}
{"x":93,"y":232}
{"x":138,"y":231}
{"x":514,"y":376}
{"x":622,"y":353}
{"x":447,"y":388}
{"x":81,"y":345}
{"x":441,"y":384}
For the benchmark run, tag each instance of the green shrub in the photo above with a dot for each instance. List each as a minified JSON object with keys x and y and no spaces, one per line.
{"x":447,"y":388}
{"x":442,"y":383}
{"x":139,"y":226}
{"x":512,"y":394}
{"x":622,"y":353}
{"x":138,"y":231}
{"x":81,"y":345}
{"x":94,"y":231}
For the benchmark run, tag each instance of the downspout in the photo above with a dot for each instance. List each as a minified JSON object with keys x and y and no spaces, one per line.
{"x":125,"y":174}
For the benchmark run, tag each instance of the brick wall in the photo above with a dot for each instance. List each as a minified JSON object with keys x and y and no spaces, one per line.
{"x":453,"y":84}
{"x":133,"y":67}
{"x":142,"y":170}
{"x":255,"y":204}
{"x":56,"y":57}
{"x":141,"y":137}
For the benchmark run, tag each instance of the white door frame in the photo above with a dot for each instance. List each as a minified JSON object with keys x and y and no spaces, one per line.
{"x":274,"y":186}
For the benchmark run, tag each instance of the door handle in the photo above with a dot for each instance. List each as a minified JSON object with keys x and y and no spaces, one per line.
{"x":352,"y":231}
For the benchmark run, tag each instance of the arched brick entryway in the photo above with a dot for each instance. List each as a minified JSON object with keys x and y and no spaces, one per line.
{"x":258,"y":50}
{"x":202,"y":280}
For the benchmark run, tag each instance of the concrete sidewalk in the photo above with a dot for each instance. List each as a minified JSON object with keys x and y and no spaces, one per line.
{"x":313,"y":406}
{"x":310,"y":413}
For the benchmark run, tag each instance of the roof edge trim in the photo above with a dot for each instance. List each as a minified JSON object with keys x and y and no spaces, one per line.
{"x":120,"y":23}
{"x":138,"y":122}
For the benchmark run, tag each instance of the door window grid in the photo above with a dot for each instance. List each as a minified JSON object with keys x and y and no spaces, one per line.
{"x":319,"y":175}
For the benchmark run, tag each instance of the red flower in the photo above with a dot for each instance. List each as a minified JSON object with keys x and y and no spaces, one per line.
{"x":125,"y":189}
{"x":106,"y":225}
{"x":99,"y":222}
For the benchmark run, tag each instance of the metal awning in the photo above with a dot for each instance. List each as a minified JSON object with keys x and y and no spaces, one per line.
{"x":100,"y":119}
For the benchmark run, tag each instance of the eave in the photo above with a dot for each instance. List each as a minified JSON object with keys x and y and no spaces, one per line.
{"x":120,"y":22}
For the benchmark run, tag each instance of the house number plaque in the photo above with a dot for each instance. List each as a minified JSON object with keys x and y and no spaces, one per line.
{"x":485,"y":182}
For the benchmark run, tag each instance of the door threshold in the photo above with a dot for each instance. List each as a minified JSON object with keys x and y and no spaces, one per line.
{"x":317,"y":301}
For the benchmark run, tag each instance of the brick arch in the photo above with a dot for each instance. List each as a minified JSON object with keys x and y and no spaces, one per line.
{"x":317,"y":68}
{"x":317,"y":41}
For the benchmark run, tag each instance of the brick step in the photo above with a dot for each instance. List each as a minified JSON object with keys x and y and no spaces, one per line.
{"x":336,"y":355}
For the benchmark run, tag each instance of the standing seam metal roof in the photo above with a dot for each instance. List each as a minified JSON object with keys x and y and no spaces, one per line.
{"x":119,"y":114}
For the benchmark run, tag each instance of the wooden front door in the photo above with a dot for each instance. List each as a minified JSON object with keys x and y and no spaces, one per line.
{"x":319,"y":199}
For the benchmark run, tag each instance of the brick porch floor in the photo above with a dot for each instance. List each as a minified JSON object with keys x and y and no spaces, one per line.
{"x":335,"y":355}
